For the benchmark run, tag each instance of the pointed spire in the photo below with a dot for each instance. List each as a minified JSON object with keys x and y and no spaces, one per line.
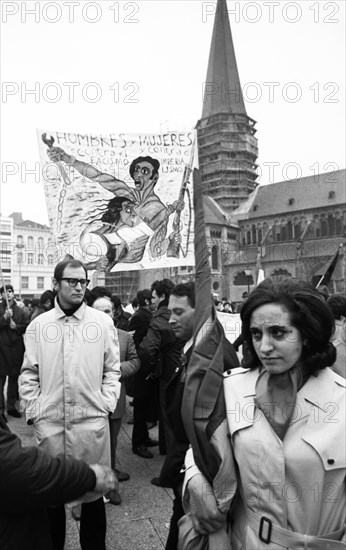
{"x":222,"y":92}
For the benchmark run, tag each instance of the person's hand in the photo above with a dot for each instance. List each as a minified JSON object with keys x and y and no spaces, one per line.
{"x":205,"y":515}
{"x":8,"y":313}
{"x":12,"y":324}
{"x":56,"y":154}
{"x":102,"y":263}
{"x":106,"y":479}
{"x":178,"y":205}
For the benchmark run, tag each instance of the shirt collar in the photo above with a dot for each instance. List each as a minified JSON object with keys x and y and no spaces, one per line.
{"x":78,"y":313}
{"x":188,"y":345}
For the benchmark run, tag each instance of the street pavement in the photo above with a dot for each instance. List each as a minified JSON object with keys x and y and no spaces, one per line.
{"x":141,"y":522}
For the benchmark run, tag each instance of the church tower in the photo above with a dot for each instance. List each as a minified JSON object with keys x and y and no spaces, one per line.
{"x":227,"y":146}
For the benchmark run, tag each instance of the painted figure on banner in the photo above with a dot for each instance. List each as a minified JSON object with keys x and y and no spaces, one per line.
{"x":134,"y":220}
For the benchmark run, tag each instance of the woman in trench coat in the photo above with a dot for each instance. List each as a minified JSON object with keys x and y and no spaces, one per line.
{"x":281,"y":483}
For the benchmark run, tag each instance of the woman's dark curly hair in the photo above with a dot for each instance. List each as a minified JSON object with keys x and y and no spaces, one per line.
{"x":309,"y":314}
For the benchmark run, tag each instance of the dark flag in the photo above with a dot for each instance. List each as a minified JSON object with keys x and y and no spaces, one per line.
{"x":326,"y":278}
{"x":203,"y":407}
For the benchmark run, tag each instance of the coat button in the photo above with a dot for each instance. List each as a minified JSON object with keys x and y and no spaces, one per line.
{"x":330,"y":461}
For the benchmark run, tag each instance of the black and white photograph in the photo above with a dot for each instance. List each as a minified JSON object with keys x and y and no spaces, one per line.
{"x":172,"y":275}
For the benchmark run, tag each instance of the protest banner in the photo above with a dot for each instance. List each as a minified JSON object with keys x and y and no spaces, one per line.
{"x":120,"y":201}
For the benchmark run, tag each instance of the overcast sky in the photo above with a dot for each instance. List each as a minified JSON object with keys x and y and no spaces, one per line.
{"x":106,"y":66}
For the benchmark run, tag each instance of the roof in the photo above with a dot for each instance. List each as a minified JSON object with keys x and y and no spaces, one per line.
{"x":222,"y":73}
{"x":213,"y":213}
{"x":317,"y":191}
{"x":26,"y":224}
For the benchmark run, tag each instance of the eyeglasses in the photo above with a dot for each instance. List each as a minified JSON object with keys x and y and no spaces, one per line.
{"x":74,"y":282}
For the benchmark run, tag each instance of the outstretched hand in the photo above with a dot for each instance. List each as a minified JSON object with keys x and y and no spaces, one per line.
{"x":56,"y":154}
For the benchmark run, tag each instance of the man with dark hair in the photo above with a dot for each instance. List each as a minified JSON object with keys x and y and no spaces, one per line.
{"x":162,"y":350}
{"x":13,"y":322}
{"x":182,"y":311}
{"x":69,"y":385}
{"x":144,"y":381}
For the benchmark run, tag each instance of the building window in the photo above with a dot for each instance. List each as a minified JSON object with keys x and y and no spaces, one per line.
{"x":324,"y":228}
{"x":214,"y":257}
{"x":253,"y":234}
{"x":289,"y":230}
{"x":50,"y":259}
{"x":30,"y":242}
{"x":40,"y":259}
{"x":20,"y":239}
{"x":296,"y":229}
{"x":331,"y":225}
{"x":40,"y":282}
{"x":290,"y":201}
{"x":40,"y":242}
{"x":30,"y":258}
{"x":20,"y":257}
{"x":5,"y":228}
{"x":338,"y":226}
{"x":25,"y":282}
{"x":331,"y":195}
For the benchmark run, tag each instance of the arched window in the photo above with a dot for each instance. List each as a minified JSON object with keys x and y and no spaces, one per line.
{"x":324,"y":227}
{"x":253,"y":232}
{"x":30,"y":242}
{"x":289,"y":230}
{"x":338,"y":226}
{"x":331,"y":224}
{"x":214,"y":257}
{"x":296,"y":228}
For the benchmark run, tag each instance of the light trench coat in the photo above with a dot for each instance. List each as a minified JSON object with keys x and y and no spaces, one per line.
{"x":69,"y":382}
{"x":298,"y":483}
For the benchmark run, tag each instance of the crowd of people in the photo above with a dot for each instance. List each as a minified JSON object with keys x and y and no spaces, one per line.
{"x":76,"y":357}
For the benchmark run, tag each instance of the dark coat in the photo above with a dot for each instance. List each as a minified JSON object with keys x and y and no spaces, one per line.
{"x":11,"y":340}
{"x":144,"y":384}
{"x":30,"y":481}
{"x":170,"y":475}
{"x":160,"y":346}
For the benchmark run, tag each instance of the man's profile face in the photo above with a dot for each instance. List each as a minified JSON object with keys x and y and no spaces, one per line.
{"x":182,"y":315}
{"x":70,"y":296}
{"x":155,"y":300}
{"x":127,"y":213}
{"x":142,"y":175}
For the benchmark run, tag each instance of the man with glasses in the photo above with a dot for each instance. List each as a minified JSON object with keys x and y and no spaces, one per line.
{"x":69,"y":385}
{"x":13,"y":323}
